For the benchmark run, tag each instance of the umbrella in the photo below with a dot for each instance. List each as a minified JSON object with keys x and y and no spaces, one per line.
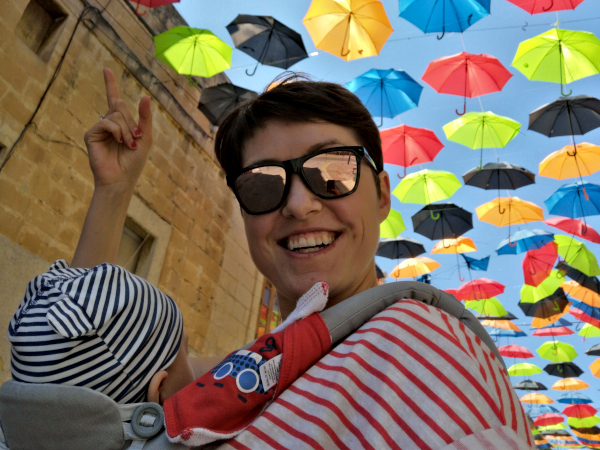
{"x":563,"y":370}
{"x":538,"y":264}
{"x":496,"y":332}
{"x":577,"y":255}
{"x":267,"y":40}
{"x":586,"y":313}
{"x":589,"y":331}
{"x":501,"y":324}
{"x":536,"y":409}
{"x":386,"y":93}
{"x":571,"y":161}
{"x":380,"y":274}
{"x":530,"y":385}
{"x":536,"y":398}
{"x":575,"y":200}
{"x":467,"y":75}
{"x":524,"y":241}
{"x":406,"y":146}
{"x":542,"y":6}
{"x":489,"y":307}
{"x":570,"y":384}
{"x":579,"y":411}
{"x":595,"y":368}
{"x":152,"y":4}
{"x":479,"y":130}
{"x":581,"y":293}
{"x":392,"y":226}
{"x":546,"y":307}
{"x":559,"y":56}
{"x":539,"y":322}
{"x":478,"y":315}
{"x":348,"y":29}
{"x":523,"y":369}
{"x":499,"y":175}
{"x":566,"y":116}
{"x":531,"y":294}
{"x":459,"y":245}
{"x":504,"y":211}
{"x":427,"y":186}
{"x":553,"y":331}
{"x":574,"y":398}
{"x":594,"y":350}
{"x":445,"y":15}
{"x":442,"y":221}
{"x":413,"y":267}
{"x":575,"y":227}
{"x":515,"y":351}
{"x":400,"y":248}
{"x":548,"y":419}
{"x":557,"y":351}
{"x":192,"y":51}
{"x":480,"y":288}
{"x":218,"y":101}
{"x":586,"y":422}
{"x":591,"y":283}
{"x":477,"y":264}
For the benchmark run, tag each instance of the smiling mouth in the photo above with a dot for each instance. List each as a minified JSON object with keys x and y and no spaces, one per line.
{"x":309,"y":242}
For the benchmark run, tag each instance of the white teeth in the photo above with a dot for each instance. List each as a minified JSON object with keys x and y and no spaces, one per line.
{"x":290,"y":245}
{"x":311,"y":242}
{"x":319,"y":241}
{"x":302,"y":242}
{"x":308,"y":250}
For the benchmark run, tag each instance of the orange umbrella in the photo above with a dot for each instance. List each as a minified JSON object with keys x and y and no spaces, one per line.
{"x":534,"y":397}
{"x":507,"y":211}
{"x":595,"y":368}
{"x":538,"y":322}
{"x":503,"y":324}
{"x":413,"y":267}
{"x":570,"y":384}
{"x":569,"y":161}
{"x":576,"y":290}
{"x":458,"y":245}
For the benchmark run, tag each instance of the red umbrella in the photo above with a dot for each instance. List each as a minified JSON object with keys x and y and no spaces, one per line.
{"x":580,"y":411}
{"x":574,"y":226}
{"x":548,"y":419}
{"x":538,"y":263}
{"x":467,"y":75}
{"x":152,"y":4}
{"x":542,"y":6}
{"x":553,"y":331}
{"x":406,"y":146}
{"x":515,"y":351}
{"x":450,"y":291}
{"x":479,"y":289}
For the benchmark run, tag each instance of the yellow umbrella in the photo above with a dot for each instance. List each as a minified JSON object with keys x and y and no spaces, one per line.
{"x":595,"y":368}
{"x":458,"y":245}
{"x":503,"y":324}
{"x":413,"y":267}
{"x":570,"y":384}
{"x":569,"y":161}
{"x":536,"y":398}
{"x":503,"y":211}
{"x":349,"y":29}
{"x":585,"y":295}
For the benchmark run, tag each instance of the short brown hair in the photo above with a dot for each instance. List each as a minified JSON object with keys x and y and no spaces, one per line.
{"x":297,"y":99}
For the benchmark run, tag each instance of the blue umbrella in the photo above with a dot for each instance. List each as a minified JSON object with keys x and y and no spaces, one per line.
{"x":574,"y":398}
{"x":559,"y":323}
{"x":523,"y":241}
{"x":539,"y":409}
{"x":386,"y":93}
{"x":432,"y":16}
{"x":575,"y":200}
{"x":499,"y":332}
{"x":476,"y":264}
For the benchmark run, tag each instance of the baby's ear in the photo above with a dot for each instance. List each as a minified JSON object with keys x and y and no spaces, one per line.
{"x":154,"y":387}
{"x":69,"y":319}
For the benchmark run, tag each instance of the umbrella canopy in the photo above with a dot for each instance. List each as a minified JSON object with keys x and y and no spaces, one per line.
{"x":574,"y":398}
{"x":413,"y":267}
{"x":400,"y":248}
{"x":571,"y":161}
{"x":595,"y":368}
{"x":501,"y":324}
{"x":553,"y":331}
{"x":570,"y":384}
{"x":348,"y":29}
{"x":496,"y":332}
{"x":537,"y":264}
{"x":563,"y":370}
{"x":580,"y":293}
{"x":579,"y":411}
{"x":504,"y":211}
{"x":539,"y":322}
{"x":591,"y":283}
{"x":523,"y":241}
{"x":577,"y":255}
{"x":392,"y":226}
{"x":586,"y":422}
{"x":380,"y":274}
{"x":557,"y":351}
{"x":594,"y":350}
{"x":478,"y":315}
{"x":515,"y":351}
{"x":535,"y":410}
{"x":458,"y":245}
{"x":267,"y":40}
{"x":575,"y":200}
{"x":559,"y":56}
{"x":566,"y":116}
{"x":589,"y":331}
{"x":547,"y":307}
{"x":499,"y":175}
{"x":536,"y":398}
{"x":548,"y":419}
{"x":386,"y":93}
{"x":427,"y":186}
{"x":478,"y":289}
{"x":192,"y":51}
{"x":575,"y":227}
{"x":477,"y":264}
{"x":152,"y":4}
{"x":445,"y":16}
{"x":406,"y":146}
{"x":466,"y":74}
{"x":586,"y":313}
{"x":530,"y":385}
{"x":442,"y":221}
{"x":542,"y":6}
{"x":531,"y":294}
{"x":218,"y":101}
{"x":523,"y":369}
{"x":489,"y":307}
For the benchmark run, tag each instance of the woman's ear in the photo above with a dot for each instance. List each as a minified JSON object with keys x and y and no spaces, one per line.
{"x":154,"y":386}
{"x":385,"y":201}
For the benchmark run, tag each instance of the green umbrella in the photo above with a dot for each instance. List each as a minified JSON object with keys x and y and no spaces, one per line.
{"x":589,"y":331}
{"x":523,"y":369}
{"x":479,"y":130}
{"x":427,"y":186}
{"x":532,"y":294}
{"x":577,"y":255}
{"x":586,"y":422}
{"x":392,"y":226}
{"x":557,"y":351}
{"x":487,"y":307}
{"x":558,"y":426}
{"x":192,"y":51}
{"x":559,"y":56}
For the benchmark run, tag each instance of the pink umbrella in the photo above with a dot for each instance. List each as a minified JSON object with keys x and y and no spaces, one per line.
{"x":538,"y":264}
{"x":548,"y":419}
{"x":152,"y":4}
{"x":553,"y":331}
{"x":406,"y":146}
{"x":479,"y":289}
{"x":542,"y":6}
{"x":574,"y":226}
{"x":515,"y":351}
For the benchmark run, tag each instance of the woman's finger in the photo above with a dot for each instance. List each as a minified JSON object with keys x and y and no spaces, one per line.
{"x":121,"y":107}
{"x":101,"y":130}
{"x":112,"y":90}
{"x":145,"y":123}
{"x":119,"y":120}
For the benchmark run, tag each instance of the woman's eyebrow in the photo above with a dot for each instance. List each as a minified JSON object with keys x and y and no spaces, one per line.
{"x":312,"y":149}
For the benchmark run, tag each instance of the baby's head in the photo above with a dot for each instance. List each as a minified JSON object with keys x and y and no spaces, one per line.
{"x":102,"y":328}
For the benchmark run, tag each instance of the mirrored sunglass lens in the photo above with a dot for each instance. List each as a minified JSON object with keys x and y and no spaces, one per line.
{"x":261,"y":189}
{"x":331,"y":174}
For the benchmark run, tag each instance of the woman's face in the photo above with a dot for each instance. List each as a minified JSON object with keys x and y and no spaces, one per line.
{"x":351,"y":222}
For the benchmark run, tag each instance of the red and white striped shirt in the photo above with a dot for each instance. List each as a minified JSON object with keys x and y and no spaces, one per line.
{"x":412,"y":377}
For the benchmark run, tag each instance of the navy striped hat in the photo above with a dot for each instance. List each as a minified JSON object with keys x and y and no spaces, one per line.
{"x":102,"y":328}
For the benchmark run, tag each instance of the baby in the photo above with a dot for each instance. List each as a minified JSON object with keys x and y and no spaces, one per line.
{"x":102,"y":328}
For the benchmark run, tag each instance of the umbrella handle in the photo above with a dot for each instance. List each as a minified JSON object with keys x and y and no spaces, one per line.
{"x":512,"y":244}
{"x":439,"y":38}
{"x":194,"y":83}
{"x":137,"y":10}
{"x":381,"y":124}
{"x":463,"y":111}
{"x":434,"y":217}
{"x":534,"y":271}
{"x":563,"y":93}
{"x":549,"y":7}
{"x":254,"y":71}
{"x":587,"y":197}
{"x":500,"y":210}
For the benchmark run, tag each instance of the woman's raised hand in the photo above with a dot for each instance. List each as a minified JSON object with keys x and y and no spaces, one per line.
{"x":118,"y":146}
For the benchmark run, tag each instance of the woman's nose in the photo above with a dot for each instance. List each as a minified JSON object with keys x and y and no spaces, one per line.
{"x":301,"y":201}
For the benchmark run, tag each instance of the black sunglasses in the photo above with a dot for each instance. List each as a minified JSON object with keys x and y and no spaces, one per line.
{"x":329,"y":173}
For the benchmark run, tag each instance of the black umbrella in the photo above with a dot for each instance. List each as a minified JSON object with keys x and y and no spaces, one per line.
{"x":563,"y":370}
{"x":592,"y":430}
{"x":530,"y":385}
{"x":558,"y":432}
{"x":499,"y":175}
{"x":267,"y":40}
{"x":379,"y":273}
{"x":591,"y":283}
{"x":400,"y":248}
{"x":442,"y":221}
{"x":566,"y":116}
{"x":218,"y":101}
{"x":547,"y":307}
{"x":507,"y":316}
{"x":594,"y":350}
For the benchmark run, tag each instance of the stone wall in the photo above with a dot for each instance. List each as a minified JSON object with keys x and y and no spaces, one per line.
{"x":46,"y":184}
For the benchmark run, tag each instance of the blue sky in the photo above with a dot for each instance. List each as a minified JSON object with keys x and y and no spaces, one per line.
{"x":409,"y":49}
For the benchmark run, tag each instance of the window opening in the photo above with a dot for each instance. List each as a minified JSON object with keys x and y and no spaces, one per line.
{"x":40,"y":26}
